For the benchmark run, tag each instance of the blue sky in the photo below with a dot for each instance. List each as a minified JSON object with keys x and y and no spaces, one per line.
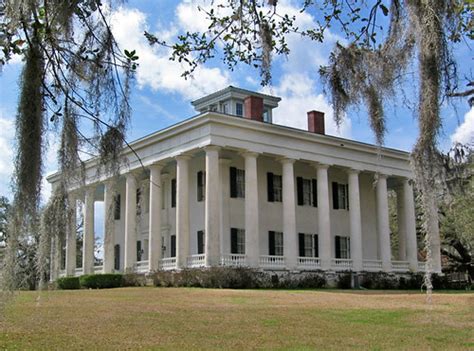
{"x":161,"y":97}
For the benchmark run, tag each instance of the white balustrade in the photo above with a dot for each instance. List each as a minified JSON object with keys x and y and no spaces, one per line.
{"x":401,"y":266}
{"x":267,"y":261}
{"x":168,"y":263}
{"x":141,"y":266}
{"x":372,"y":265}
{"x":421,"y":266}
{"x":233,"y":260}
{"x":195,"y":261}
{"x":341,"y":263}
{"x":62,"y":273}
{"x":309,"y":263}
{"x":78,"y":272}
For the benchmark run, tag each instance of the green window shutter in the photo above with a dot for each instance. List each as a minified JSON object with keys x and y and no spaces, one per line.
{"x":271,"y":243}
{"x":233,"y":182}
{"x":299,"y":190}
{"x":173,"y":192}
{"x":270,"y":187}
{"x":200,"y":184}
{"x":233,"y":240}
{"x":338,"y":246}
{"x":173,"y":246}
{"x":200,"y":241}
{"x":316,"y":245}
{"x":335,"y":197}
{"x":314,"y":189}
{"x":301,"y":244}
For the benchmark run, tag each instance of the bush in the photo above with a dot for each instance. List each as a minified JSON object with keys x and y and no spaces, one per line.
{"x":68,"y":283}
{"x":133,"y":279}
{"x":101,"y":281}
{"x":344,"y":281}
{"x":380,"y":280}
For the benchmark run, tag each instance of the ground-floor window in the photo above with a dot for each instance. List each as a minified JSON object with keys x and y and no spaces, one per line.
{"x":237,"y":241}
{"x":139,"y":250}
{"x":308,"y":245}
{"x":200,"y":242}
{"x":343,"y":247}
{"x":275,"y":243}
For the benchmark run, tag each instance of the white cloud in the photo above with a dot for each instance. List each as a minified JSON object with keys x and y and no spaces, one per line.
{"x":298,"y":97}
{"x":464,"y":134}
{"x":155,"y":69}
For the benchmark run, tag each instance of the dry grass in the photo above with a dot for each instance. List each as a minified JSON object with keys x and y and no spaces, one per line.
{"x":167,"y":318}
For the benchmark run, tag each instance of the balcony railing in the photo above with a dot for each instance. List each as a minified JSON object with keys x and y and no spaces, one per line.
{"x":62,"y":273}
{"x":168,"y":263}
{"x":98,"y":269}
{"x":421,"y":266}
{"x":400,"y":266}
{"x":233,"y":260}
{"x":141,"y":266}
{"x":78,"y":272}
{"x":341,"y":263}
{"x":195,"y":261}
{"x":267,"y":261}
{"x":309,"y":263}
{"x":372,"y":265}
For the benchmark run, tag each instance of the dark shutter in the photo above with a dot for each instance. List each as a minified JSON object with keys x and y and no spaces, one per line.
{"x":335,"y":197}
{"x":233,"y":240}
{"x":173,"y":192}
{"x":316,"y":245}
{"x":199,"y":186}
{"x":117,"y":207}
{"x":314,"y":189}
{"x":233,"y":182}
{"x":117,"y":257}
{"x":301,"y":244}
{"x":270,"y":187}
{"x":338,"y":246}
{"x":200,"y":241}
{"x":139,"y":250}
{"x":347,"y":195}
{"x":299,"y":190}
{"x":271,"y":243}
{"x":173,"y":246}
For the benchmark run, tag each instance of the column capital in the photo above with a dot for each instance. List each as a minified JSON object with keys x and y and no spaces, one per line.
{"x":89,"y":190}
{"x":158,"y":166}
{"x":165,"y":176}
{"x":380,"y":175}
{"x":284,"y":160}
{"x":183,"y":157}
{"x":319,"y":165}
{"x":211,"y":148}
{"x":248,"y":153}
{"x":353,"y":171}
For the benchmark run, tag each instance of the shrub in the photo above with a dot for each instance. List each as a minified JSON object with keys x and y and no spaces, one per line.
{"x":380,"y":280}
{"x":133,"y":279}
{"x":68,"y":283}
{"x":101,"y":281}
{"x":344,"y":281}
{"x":312,"y":281}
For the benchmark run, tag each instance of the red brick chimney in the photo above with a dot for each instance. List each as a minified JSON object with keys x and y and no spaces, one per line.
{"x":316,"y":122}
{"x":254,"y":108}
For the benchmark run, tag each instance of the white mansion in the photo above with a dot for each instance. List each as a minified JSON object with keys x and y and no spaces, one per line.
{"x":227,"y":187}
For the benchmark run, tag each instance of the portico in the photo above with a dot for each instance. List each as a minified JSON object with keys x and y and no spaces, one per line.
{"x":221,"y":190}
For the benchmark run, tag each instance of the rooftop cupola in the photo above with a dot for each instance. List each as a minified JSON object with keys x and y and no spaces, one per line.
{"x":239,"y":102}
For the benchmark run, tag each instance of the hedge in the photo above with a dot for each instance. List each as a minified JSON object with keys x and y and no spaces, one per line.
{"x":68,"y":283}
{"x":101,"y":281}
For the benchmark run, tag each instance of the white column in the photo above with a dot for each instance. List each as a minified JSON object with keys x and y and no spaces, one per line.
{"x":182,"y":210}
{"x":324,"y":219}
{"x":224,"y":205}
{"x":410,"y":222}
{"x":130,"y":251}
{"x":252,"y":229}
{"x":383,"y":227}
{"x":355,"y":220}
{"x":88,"y":237}
{"x":71,"y":237}
{"x":290,"y":239}
{"x":109,"y":227}
{"x":211,"y":220}
{"x":154,"y":234}
{"x":401,"y":224}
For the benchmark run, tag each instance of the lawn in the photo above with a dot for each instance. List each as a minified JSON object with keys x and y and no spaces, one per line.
{"x":182,"y":318}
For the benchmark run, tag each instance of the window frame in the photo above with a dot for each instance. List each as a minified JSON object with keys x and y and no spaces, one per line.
{"x":237,"y":183}
{"x":237,"y":241}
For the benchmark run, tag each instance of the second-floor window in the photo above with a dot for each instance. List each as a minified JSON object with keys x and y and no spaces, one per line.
{"x":173,"y":192}
{"x":201,"y":186}
{"x":340,"y":196}
{"x":274,"y":187}
{"x":275,"y":243}
{"x":237,"y":241}
{"x":117,"y":207}
{"x":343,"y":247}
{"x":308,"y":245}
{"x":237,"y":183}
{"x":239,"y":109}
{"x":307,"y":191}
